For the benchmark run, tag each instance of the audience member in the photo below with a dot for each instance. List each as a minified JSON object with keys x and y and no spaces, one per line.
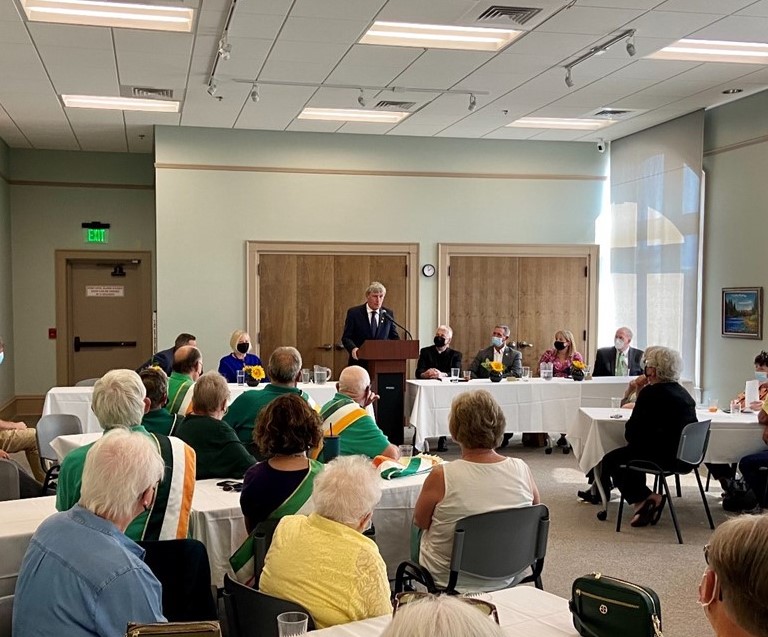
{"x":562,"y":354}
{"x":498,"y":351}
{"x":437,"y":360}
{"x":284,"y":371}
{"x":28,"y":486}
{"x":164,"y":359}
{"x":761,"y":375}
{"x":187,"y":368}
{"x":652,"y":432}
{"x":480,"y":481}
{"x":750,"y":466}
{"x":442,"y":616}
{"x":621,"y":359}
{"x":734,"y":588}
{"x":81,"y":575}
{"x":323,"y":561}
{"x":219,"y":451}
{"x":367,"y":322}
{"x":345,"y":416}
{"x":120,"y":402}
{"x":239,"y":357}
{"x":282,"y":485}
{"x":158,"y":420}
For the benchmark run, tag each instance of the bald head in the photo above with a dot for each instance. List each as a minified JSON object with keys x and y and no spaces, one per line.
{"x":188,"y":360}
{"x":355,"y":383}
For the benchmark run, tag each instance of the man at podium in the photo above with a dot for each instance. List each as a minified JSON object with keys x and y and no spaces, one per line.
{"x":369,"y":321}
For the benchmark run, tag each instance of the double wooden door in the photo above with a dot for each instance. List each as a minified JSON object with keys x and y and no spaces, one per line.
{"x":304,"y":298}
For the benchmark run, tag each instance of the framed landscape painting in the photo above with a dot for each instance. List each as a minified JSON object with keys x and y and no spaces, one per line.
{"x":743,"y":312}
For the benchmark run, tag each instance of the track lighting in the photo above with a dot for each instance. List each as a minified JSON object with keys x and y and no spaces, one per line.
{"x":361,"y":99}
{"x":631,"y":50}
{"x":628,"y":35}
{"x":212,"y":88}
{"x":472,"y":102}
{"x":568,"y":77}
{"x":255,"y":97}
{"x":225,"y":48}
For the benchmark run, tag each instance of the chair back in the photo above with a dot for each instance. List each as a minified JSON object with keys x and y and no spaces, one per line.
{"x":6,"y":615}
{"x":522,"y":532}
{"x":9,"y":481}
{"x":50,"y":427}
{"x":86,"y":382}
{"x":693,"y":443}
{"x":251,"y":613}
{"x":262,"y":539}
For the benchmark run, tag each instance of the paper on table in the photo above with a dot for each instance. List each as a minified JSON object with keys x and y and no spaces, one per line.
{"x":751,"y":392}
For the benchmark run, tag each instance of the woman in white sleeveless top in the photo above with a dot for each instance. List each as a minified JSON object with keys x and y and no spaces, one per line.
{"x":480,"y":481}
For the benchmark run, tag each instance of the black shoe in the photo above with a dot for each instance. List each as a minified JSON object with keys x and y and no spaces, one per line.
{"x":561,"y":441}
{"x":441,"y":446}
{"x":588,"y":496}
{"x":505,"y":441}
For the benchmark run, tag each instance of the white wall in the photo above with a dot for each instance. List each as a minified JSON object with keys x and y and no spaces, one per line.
{"x":6,"y":297}
{"x":735,"y":234}
{"x":204,"y":217}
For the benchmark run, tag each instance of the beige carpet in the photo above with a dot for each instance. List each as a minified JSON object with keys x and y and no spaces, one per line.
{"x":579,"y":543}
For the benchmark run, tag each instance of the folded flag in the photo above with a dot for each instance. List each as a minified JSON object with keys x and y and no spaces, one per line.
{"x":389,"y":469}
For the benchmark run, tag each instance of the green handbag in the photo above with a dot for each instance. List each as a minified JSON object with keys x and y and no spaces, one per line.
{"x":605,"y":606}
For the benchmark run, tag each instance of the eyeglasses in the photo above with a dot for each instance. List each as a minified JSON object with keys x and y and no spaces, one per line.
{"x":230,"y":485}
{"x":401,"y":599}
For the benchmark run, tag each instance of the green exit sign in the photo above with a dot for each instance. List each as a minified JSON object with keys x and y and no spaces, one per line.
{"x":96,"y":235}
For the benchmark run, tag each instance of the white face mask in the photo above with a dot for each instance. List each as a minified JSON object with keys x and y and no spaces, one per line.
{"x":619,"y":343}
{"x":497,"y":341}
{"x":761,"y":376}
{"x":2,"y":356}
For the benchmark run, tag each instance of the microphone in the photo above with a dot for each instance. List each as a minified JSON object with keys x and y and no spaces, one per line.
{"x":388,"y":317}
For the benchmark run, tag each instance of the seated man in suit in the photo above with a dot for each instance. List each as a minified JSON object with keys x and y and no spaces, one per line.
{"x":81,"y":576}
{"x":345,"y":416}
{"x":164,"y":358}
{"x":498,"y":351}
{"x":120,"y":401}
{"x":621,"y":359}
{"x":187,"y":368}
{"x":369,"y":321}
{"x":438,"y":359}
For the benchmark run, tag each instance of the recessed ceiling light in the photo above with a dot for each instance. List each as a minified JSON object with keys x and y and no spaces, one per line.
{"x":120,"y":103}
{"x":438,"y":36}
{"x":733,"y":91}
{"x":714,"y":51}
{"x":353,"y":115}
{"x":564,"y":123}
{"x":110,"y":14}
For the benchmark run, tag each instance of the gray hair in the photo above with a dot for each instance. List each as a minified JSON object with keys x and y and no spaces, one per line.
{"x":376,"y":288}
{"x":346,"y":490}
{"x":668,"y":363}
{"x":447,"y":328}
{"x":118,"y":399}
{"x":628,"y":331}
{"x":284,"y":365}
{"x":353,"y":380}
{"x":442,"y":616}
{"x":119,"y":467}
{"x":505,"y":329}
{"x":209,"y":392}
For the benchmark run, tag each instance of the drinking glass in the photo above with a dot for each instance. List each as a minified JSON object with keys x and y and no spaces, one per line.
{"x":406,"y":453}
{"x":616,"y":407}
{"x":467,"y":375}
{"x":712,"y":405}
{"x":292,"y":624}
{"x":526,"y":374}
{"x":735,"y":407}
{"x":320,"y":376}
{"x":240,"y":377}
{"x":305,"y":376}
{"x":545,"y":371}
{"x":455,"y":374}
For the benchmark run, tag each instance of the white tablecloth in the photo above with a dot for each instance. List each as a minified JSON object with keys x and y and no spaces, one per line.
{"x":731,"y":437}
{"x":599,"y":391}
{"x":217,"y":521}
{"x":19,"y":520}
{"x":77,"y":400}
{"x":524,"y":611}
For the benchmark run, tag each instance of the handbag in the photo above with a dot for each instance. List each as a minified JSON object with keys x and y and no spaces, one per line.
{"x":605,"y":606}
{"x":180,"y":629}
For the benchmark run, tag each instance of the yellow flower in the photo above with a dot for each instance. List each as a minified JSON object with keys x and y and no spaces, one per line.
{"x":578,"y":365}
{"x":497,"y":366}
{"x":254,"y":371}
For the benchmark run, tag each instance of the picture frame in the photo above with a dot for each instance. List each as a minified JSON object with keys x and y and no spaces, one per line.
{"x":742,"y":313}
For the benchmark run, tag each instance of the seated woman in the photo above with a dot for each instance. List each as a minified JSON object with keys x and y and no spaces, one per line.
{"x":220,"y":454}
{"x":734,"y":588}
{"x":480,"y":481}
{"x":229,"y":365}
{"x":761,"y":375}
{"x":652,"y":432}
{"x":324,"y":562}
{"x":442,"y":616}
{"x":562,"y":354}
{"x":282,"y":484}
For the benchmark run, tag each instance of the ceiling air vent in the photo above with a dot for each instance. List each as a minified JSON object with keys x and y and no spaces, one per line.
{"x":146,"y":93}
{"x":515,"y":15}
{"x":614,"y":113}
{"x":389,"y":105}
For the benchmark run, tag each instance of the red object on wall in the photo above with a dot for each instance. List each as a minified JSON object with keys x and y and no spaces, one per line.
{"x":52,"y":333}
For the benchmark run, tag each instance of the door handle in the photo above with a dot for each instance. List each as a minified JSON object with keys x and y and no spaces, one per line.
{"x":78,"y":344}
{"x":519,"y":344}
{"x":326,"y":346}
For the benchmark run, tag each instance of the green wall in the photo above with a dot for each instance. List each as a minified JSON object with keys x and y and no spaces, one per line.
{"x":735,"y":233}
{"x":6,"y":296}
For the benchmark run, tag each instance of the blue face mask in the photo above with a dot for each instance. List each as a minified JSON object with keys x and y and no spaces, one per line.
{"x":761,"y":376}
{"x":497,"y":341}
{"x":2,"y":356}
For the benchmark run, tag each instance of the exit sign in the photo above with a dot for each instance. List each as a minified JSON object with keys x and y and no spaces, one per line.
{"x":95,"y":232}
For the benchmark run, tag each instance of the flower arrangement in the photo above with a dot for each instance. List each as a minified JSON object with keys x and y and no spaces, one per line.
{"x":578,"y":365}
{"x":493,"y":366}
{"x":578,"y":370}
{"x":256,"y":372}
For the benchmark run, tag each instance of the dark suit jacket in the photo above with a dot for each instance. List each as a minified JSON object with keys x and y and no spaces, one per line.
{"x":357,"y":329}
{"x":605,"y":362}
{"x":429,"y":357}
{"x":512,"y":360}
{"x":163,"y":359}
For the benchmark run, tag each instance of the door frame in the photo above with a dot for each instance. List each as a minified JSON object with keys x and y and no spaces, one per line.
{"x":63,"y":260}
{"x":589,"y":251}
{"x":256,"y":248}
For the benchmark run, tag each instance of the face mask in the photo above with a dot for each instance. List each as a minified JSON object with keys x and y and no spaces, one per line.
{"x":497,"y":341}
{"x":439,"y":341}
{"x":2,"y":356}
{"x":761,"y":376}
{"x":619,"y":343}
{"x":559,"y":346}
{"x":645,"y":372}
{"x":243,"y":347}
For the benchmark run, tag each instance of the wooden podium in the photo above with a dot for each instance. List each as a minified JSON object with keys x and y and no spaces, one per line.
{"x":386,"y":361}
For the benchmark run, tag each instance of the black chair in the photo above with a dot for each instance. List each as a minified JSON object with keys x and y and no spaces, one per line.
{"x":6,"y":615}
{"x":522,"y":534}
{"x":183,"y":569}
{"x":262,"y":539}
{"x":9,"y":481}
{"x":47,"y":429}
{"x":251,"y":613}
{"x":691,"y":450}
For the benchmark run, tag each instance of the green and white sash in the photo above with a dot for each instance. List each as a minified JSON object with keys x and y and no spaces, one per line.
{"x":389,"y":469}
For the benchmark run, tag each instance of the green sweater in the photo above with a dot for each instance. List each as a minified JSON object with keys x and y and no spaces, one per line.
{"x":245,"y":409}
{"x":161,"y":421}
{"x":219,"y":452}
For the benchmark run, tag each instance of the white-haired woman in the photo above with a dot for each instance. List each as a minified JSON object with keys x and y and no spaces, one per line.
{"x":239,"y":357}
{"x":323,"y":561}
{"x":652,"y":433}
{"x":442,"y":616}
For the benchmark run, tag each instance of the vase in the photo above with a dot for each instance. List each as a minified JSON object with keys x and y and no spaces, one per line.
{"x":252,"y":382}
{"x":495,"y":377}
{"x":577,"y":374}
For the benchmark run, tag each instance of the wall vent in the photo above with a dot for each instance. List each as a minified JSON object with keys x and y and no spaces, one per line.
{"x":146,"y":93}
{"x":487,"y":13}
{"x":614,"y":114}
{"x":390,"y":105}
{"x":518,"y":16}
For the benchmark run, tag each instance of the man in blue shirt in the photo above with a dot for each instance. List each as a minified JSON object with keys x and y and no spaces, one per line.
{"x":81,"y":575}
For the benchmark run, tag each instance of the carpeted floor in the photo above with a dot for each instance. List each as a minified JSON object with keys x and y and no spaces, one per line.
{"x":579,"y":543}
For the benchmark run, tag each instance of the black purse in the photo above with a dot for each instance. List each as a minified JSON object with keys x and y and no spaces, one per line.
{"x":605,"y":606}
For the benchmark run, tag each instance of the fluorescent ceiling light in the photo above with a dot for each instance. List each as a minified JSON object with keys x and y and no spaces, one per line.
{"x":120,"y":103}
{"x":714,"y":51}
{"x":438,"y":36}
{"x":564,"y":123}
{"x":353,"y":115}
{"x":110,"y":14}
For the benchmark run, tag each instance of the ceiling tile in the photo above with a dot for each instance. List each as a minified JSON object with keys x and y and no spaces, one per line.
{"x":756,"y":9}
{"x":323,"y":30}
{"x":254,"y":25}
{"x":671,"y":24}
{"x":737,"y":29}
{"x":338,"y":9}
{"x":70,"y":35}
{"x":589,"y":20}
{"x":719,"y":7}
{"x":441,"y":68}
